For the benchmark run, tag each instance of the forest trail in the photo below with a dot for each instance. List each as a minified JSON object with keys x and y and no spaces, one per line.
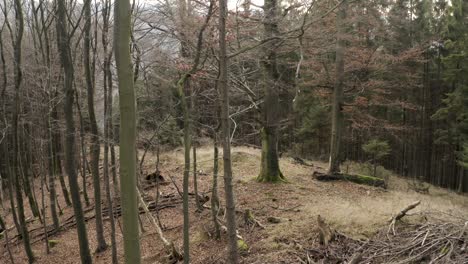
{"x":355,"y":210}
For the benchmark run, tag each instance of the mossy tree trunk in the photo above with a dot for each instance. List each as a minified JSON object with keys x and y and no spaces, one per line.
{"x":128,"y":185}
{"x":270,"y":169}
{"x":337,"y":114}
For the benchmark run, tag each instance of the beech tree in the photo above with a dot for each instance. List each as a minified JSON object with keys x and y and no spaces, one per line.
{"x":226,"y":136}
{"x":269,"y":167}
{"x":95,"y":146}
{"x":337,"y":105}
{"x":63,"y":42}
{"x":127,"y":105}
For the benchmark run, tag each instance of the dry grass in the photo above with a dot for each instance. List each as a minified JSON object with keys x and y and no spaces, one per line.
{"x":356,"y":210}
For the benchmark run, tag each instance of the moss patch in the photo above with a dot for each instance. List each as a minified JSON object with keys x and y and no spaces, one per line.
{"x":242,"y":246}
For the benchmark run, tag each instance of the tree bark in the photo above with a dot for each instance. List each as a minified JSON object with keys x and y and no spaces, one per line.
{"x":63,"y":41}
{"x":226,"y":136}
{"x":95,"y":146}
{"x":18,"y":75}
{"x":337,"y":114}
{"x":128,"y":186}
{"x":269,"y":167}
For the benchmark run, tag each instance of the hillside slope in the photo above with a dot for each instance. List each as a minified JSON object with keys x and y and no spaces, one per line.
{"x":355,"y":210}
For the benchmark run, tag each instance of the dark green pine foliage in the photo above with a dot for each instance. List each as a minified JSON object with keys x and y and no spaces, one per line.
{"x":455,"y":62}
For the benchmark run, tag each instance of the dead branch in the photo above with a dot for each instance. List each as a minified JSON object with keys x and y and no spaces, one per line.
{"x":400,"y":215}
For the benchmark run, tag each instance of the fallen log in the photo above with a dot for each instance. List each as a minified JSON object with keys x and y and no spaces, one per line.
{"x":356,"y":178}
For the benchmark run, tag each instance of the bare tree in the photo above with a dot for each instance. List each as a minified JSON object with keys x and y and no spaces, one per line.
{"x":337,"y":114}
{"x":63,"y":42}
{"x":226,"y":136}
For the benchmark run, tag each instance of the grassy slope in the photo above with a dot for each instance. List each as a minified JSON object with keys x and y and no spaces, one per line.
{"x":352,"y":209}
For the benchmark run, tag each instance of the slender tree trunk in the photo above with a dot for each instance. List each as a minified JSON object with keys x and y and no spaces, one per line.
{"x":44,"y":222}
{"x":187,"y":145}
{"x":52,"y":172}
{"x":57,"y":149}
{"x":337,"y":114}
{"x":195,"y":180}
{"x":95,"y":146}
{"x":108,"y":123}
{"x":63,"y":40}
{"x":122,"y":15}
{"x":26,"y":174}
{"x":84,"y":161}
{"x":16,"y":139}
{"x":214,"y":188}
{"x":7,"y":242}
{"x":226,"y":136}
{"x":270,"y":169}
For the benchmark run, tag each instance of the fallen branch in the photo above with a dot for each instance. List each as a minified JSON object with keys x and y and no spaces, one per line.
{"x":173,"y":254}
{"x":400,"y":215}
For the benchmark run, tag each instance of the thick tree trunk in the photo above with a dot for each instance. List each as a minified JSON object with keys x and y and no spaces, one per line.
{"x":337,"y":114}
{"x":270,"y":169}
{"x":122,"y":16}
{"x":63,"y":41}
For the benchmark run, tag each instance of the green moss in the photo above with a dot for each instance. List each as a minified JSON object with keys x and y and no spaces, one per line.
{"x":242,"y":246}
{"x":52,"y":243}
{"x":365,"y":179}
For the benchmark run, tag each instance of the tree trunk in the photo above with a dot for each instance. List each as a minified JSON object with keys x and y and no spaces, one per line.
{"x":95,"y":146}
{"x":57,"y":148}
{"x":108,"y":123}
{"x":226,"y":135}
{"x":214,"y":188}
{"x":195,"y":181}
{"x":52,"y":172}
{"x":16,"y":139}
{"x":269,"y":167}
{"x":63,"y":41}
{"x":187,"y":145}
{"x":337,"y":114}
{"x":84,"y":161}
{"x":122,"y":16}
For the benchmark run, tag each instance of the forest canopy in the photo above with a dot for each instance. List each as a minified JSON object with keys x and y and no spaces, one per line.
{"x":98,"y":99}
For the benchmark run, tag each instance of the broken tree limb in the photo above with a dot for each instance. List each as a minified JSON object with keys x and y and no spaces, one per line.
{"x":356,"y":178}
{"x":173,"y":253}
{"x":326,"y":235}
{"x":400,"y":215}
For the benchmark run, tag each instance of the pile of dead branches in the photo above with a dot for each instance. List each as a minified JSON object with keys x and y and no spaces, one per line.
{"x":434,"y":241}
{"x":434,"y":238}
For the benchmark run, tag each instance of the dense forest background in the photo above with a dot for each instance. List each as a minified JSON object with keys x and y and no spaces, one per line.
{"x":404,"y":80}
{"x":374,"y":82}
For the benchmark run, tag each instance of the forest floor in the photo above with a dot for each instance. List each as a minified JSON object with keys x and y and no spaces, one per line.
{"x":355,"y":210}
